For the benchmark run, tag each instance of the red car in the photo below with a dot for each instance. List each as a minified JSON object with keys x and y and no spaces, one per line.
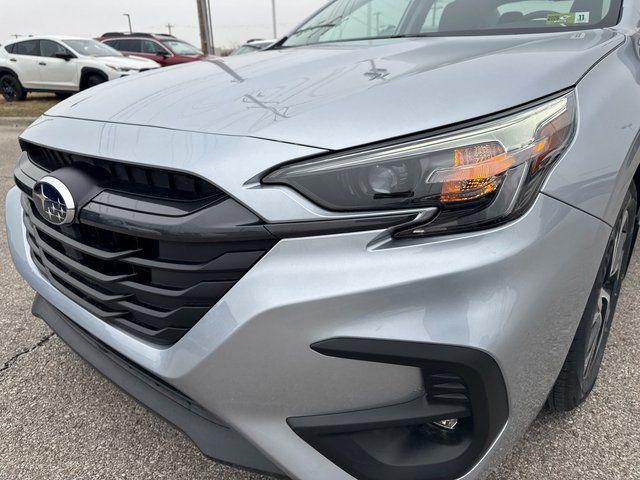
{"x":165,"y":49}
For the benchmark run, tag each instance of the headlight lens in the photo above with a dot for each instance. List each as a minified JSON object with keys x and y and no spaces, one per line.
{"x":477,"y":177}
{"x":119,"y":69}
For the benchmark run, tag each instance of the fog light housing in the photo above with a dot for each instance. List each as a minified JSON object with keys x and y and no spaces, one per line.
{"x":403,"y":442}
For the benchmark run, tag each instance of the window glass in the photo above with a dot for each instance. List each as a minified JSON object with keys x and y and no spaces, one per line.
{"x":114,"y":44}
{"x":353,"y":19}
{"x":434,"y":15}
{"x":30,"y":47}
{"x":49,"y":48}
{"x":245,"y":49}
{"x":344,"y":20}
{"x":152,"y":48}
{"x":9,"y":48}
{"x":130,"y":45}
{"x":182,"y":48}
{"x":91,"y":48}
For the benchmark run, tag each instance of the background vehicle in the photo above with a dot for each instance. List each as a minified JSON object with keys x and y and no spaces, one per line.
{"x":63,"y":65}
{"x":253,"y":46}
{"x":376,"y":256}
{"x":165,"y":49}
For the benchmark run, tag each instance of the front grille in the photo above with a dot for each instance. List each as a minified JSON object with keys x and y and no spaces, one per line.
{"x":127,"y":178}
{"x":155,"y":289}
{"x":151,"y":264}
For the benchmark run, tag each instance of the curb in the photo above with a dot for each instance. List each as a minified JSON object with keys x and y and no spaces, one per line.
{"x":23,"y":122}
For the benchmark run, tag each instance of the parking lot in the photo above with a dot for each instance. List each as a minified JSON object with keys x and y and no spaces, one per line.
{"x":62,"y":420}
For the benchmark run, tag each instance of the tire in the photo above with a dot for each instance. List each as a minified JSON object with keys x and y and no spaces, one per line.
{"x":92,"y":81}
{"x":581,"y":368}
{"x":11,"y":88}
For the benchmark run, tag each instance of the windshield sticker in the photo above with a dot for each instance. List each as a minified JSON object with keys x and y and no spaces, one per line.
{"x":567,"y":18}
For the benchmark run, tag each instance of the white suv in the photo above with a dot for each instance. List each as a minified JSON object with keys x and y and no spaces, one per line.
{"x":63,"y":65}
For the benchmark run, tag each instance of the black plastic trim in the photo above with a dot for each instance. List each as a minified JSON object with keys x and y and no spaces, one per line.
{"x":224,"y":220}
{"x":334,"y":435}
{"x":341,"y":225}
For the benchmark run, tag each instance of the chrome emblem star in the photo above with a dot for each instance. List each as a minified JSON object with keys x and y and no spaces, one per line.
{"x":54,"y":201}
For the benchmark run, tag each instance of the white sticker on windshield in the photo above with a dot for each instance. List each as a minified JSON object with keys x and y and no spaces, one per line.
{"x":567,"y":18}
{"x":581,"y":17}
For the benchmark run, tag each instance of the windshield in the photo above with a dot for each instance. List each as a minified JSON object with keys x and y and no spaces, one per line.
{"x":91,"y":48}
{"x":344,"y":20}
{"x":246,"y":49}
{"x":182,"y":48}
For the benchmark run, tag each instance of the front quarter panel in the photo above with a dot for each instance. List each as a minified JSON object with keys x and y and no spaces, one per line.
{"x":597,"y":170}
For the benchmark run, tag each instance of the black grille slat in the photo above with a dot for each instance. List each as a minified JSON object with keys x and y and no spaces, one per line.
{"x":126,"y":178}
{"x":446,"y":388}
{"x":228,"y":262}
{"x":67,"y":240}
{"x":78,"y":267}
{"x":169,"y":298}
{"x":83,"y":287}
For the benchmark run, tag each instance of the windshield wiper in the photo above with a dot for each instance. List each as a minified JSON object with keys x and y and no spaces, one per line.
{"x":333,"y":23}
{"x":315,"y":27}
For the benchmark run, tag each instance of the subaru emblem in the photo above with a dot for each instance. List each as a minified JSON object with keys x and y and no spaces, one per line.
{"x":54,"y":201}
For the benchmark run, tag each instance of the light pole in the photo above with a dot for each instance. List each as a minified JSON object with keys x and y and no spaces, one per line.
{"x":274,"y":18}
{"x":129,"y":18}
{"x":206,"y":27}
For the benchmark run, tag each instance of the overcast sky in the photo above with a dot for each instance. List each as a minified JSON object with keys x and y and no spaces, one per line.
{"x":234,"y":20}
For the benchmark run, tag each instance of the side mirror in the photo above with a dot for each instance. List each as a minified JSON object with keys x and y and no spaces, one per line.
{"x":66,"y":56}
{"x":163,"y":53}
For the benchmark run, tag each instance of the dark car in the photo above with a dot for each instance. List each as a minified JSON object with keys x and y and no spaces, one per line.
{"x":165,"y":49}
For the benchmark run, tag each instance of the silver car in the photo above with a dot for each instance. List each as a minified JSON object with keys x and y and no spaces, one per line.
{"x":375,"y":251}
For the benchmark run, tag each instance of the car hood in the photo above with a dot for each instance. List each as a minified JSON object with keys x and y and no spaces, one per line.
{"x":129,"y":62}
{"x":341,"y":95}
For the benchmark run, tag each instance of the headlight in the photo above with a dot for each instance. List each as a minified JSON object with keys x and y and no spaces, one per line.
{"x":119,"y":69}
{"x":476,"y":177}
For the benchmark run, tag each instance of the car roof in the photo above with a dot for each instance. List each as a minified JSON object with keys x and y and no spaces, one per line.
{"x":137,"y":35}
{"x":45,"y":37}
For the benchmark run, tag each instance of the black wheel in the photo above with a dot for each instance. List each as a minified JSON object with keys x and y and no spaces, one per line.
{"x":92,"y":81}
{"x":11,"y":88}
{"x":581,"y":368}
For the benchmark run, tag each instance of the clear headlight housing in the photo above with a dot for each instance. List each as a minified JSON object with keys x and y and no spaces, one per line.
{"x":476,"y":177}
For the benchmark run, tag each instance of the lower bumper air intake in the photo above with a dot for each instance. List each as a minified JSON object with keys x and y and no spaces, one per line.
{"x":438,"y":436}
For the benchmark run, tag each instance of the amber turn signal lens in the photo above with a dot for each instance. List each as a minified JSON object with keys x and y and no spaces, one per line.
{"x":475,"y":173}
{"x":553,"y":136}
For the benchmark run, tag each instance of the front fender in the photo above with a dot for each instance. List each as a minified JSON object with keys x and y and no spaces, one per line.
{"x":595,"y":173}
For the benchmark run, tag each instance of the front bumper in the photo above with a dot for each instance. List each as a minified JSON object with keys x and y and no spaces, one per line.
{"x":212,"y":436}
{"x":515,"y":293}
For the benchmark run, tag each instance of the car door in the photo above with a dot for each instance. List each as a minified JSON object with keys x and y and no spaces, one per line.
{"x":115,"y":44}
{"x":57,"y":73}
{"x":155,"y":51}
{"x":24,"y":61}
{"x":128,"y":46}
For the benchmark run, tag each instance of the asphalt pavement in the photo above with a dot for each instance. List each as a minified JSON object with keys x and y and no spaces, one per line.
{"x":60,"y":419}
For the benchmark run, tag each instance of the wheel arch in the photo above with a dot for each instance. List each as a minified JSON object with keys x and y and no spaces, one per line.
{"x":4,"y":70}
{"x":86,"y":72}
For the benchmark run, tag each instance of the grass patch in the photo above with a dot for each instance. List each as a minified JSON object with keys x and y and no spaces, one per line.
{"x":34,"y":106}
